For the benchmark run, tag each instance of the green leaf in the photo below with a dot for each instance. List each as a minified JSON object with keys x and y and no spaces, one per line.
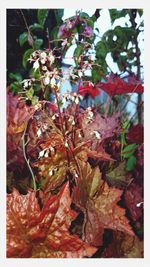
{"x":30,"y":93}
{"x":114,"y":14}
{"x":15,"y":87}
{"x":35,"y":74}
{"x":59,"y":14}
{"x":35,"y":27}
{"x":130,"y":163}
{"x":140,"y":11}
{"x":23,"y":38}
{"x":26,"y":56}
{"x":101,"y":49}
{"x":16,"y":76}
{"x":38,"y":43}
{"x":77,"y":53}
{"x":117,"y":176}
{"x":128,"y":150}
{"x":42,"y":15}
{"x":84,"y":15}
{"x":35,"y":100}
{"x":90,"y":23}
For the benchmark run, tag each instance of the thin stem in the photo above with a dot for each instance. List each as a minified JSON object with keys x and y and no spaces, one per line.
{"x":30,"y":36}
{"x":24,"y":143}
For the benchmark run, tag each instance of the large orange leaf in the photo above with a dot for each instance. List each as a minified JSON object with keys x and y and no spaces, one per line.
{"x":36,"y":233}
{"x":98,"y":201}
{"x":109,"y":213}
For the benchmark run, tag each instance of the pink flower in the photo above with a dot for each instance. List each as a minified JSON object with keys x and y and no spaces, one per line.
{"x":66,"y":29}
{"x":88,"y":31}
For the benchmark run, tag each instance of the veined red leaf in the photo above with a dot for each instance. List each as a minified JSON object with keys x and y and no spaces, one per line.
{"x":99,"y":205}
{"x":114,"y":85}
{"x":36,"y":233}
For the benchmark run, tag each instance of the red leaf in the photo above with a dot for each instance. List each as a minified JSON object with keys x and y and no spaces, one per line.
{"x":108,"y":212}
{"x":127,"y":247}
{"x":36,"y":233}
{"x":88,"y":90}
{"x":18,"y":114}
{"x":134,"y":201}
{"x":135,"y":134}
{"x":98,"y":201}
{"x":104,"y":126}
{"x":114,"y":85}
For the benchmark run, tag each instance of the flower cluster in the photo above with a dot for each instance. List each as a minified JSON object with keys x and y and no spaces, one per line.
{"x":45,"y":59}
{"x":66,"y":29}
{"x":67,"y":97}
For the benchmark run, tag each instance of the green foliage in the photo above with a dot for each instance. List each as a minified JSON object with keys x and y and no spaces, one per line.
{"x":42,"y":16}
{"x":26,"y":57}
{"x":59,"y":14}
{"x":38,"y":43}
{"x":128,"y":150}
{"x":16,"y":76}
{"x":35,"y":27}
{"x":23,"y":38}
{"x":131,"y":163}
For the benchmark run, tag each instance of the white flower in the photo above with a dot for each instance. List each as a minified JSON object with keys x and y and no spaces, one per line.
{"x":46,"y":80}
{"x":64,"y":42}
{"x":41,"y":154}
{"x":79,"y":135}
{"x":36,"y":65}
{"x":25,"y":84}
{"x":53,"y":117}
{"x":51,"y":58}
{"x":46,"y":154}
{"x":80,"y":74}
{"x":139,"y":204}
{"x":66,"y":144}
{"x":44,"y":68}
{"x":97,"y":134}
{"x":39,"y":132}
{"x":73,"y":123}
{"x":52,"y":149}
{"x":70,"y":118}
{"x":50,"y":172}
{"x":77,"y":100}
{"x":43,"y":61}
{"x":74,"y":41}
{"x":34,"y":54}
{"x":53,"y":82}
{"x":43,"y":55}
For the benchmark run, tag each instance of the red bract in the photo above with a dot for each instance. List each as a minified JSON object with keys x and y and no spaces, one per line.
{"x":88,"y":90}
{"x":35,"y":233}
{"x":114,"y":85}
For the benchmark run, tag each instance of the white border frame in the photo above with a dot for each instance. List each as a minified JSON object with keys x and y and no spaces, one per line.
{"x":35,"y":4}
